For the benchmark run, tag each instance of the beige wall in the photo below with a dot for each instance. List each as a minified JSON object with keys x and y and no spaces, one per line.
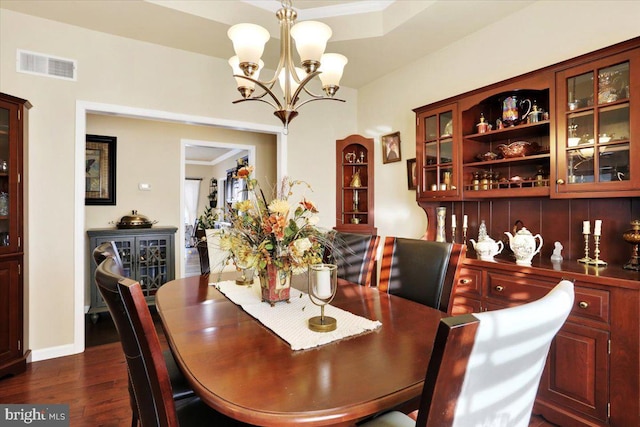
{"x":118,"y":71}
{"x":542,"y":34}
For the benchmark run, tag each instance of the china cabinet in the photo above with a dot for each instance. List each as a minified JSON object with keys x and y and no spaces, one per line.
{"x":13,"y":127}
{"x":548,"y":150}
{"x":598,"y":153}
{"x":148,"y":256}
{"x":355,"y":185}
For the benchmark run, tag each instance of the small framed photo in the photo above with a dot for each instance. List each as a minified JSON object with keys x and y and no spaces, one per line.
{"x":100,"y":170}
{"x":412,"y":178}
{"x":391,"y":148}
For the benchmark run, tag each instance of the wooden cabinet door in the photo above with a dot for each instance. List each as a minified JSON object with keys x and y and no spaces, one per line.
{"x":576,"y":373}
{"x":10,"y":312}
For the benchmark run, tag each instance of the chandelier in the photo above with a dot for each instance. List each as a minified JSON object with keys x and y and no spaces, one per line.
{"x":310,"y":39}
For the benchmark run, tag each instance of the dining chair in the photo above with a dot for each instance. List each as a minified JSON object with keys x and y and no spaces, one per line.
{"x":203,"y":256}
{"x":218,"y":257}
{"x":485,"y":368}
{"x":355,"y":255}
{"x":421,"y":270}
{"x":148,"y":374}
{"x":105,"y":250}
{"x":179,"y":385}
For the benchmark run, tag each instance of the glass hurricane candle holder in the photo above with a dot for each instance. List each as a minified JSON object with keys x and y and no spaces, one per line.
{"x":323,"y":282}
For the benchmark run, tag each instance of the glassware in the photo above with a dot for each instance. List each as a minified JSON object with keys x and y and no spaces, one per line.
{"x":323,"y":280}
{"x":4,"y":204}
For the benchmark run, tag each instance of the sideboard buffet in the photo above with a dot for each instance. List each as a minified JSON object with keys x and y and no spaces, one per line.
{"x":147,"y":254}
{"x":549,"y":150}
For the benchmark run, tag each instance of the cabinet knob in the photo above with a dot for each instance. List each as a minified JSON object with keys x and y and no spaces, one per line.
{"x":465,"y":281}
{"x":499,"y":288}
{"x":583,"y":304}
{"x":560,"y":181}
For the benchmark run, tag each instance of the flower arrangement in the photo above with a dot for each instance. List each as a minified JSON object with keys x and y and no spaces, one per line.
{"x":273,"y":233}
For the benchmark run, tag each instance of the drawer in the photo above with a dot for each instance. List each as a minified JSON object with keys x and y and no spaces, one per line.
{"x":592,"y":304}
{"x":469,"y":282}
{"x":516,"y":290}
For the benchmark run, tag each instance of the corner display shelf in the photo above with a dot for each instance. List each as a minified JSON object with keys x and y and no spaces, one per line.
{"x":354,"y":185}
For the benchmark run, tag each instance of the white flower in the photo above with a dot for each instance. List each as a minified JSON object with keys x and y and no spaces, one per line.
{"x":301,"y":246}
{"x":279,"y":206}
{"x":313,"y":220}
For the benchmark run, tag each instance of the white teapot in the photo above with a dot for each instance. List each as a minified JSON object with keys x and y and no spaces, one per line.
{"x":523,"y":245}
{"x":487,"y":248}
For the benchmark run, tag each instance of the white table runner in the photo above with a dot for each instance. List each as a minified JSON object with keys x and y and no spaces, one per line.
{"x":289,"y":320}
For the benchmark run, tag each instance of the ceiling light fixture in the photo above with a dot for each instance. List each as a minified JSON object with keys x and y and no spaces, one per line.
{"x":310,"y":39}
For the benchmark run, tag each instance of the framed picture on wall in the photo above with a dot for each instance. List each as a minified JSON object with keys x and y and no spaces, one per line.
{"x":412,"y":178}
{"x":100,"y":170}
{"x":391,"y":148}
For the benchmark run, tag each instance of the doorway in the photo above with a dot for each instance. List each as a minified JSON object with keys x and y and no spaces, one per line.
{"x":83,"y":108}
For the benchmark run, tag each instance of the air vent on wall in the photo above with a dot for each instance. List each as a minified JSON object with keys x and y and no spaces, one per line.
{"x":46,"y":65}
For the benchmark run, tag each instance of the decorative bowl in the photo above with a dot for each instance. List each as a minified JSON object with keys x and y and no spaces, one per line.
{"x":518,"y":149}
{"x":487,"y":156}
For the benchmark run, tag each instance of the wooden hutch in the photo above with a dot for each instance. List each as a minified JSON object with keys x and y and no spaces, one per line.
{"x":579,"y":160}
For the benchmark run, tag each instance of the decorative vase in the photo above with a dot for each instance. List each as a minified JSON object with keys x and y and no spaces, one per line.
{"x":633,"y":236}
{"x":275,"y":284}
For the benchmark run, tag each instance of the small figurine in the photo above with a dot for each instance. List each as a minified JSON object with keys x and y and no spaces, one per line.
{"x":556,"y":256}
{"x":499,"y":124}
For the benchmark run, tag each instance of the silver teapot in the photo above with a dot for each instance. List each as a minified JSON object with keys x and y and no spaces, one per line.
{"x":523,"y":244}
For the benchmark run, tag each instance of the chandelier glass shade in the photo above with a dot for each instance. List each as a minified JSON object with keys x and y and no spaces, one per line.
{"x":310,"y":39}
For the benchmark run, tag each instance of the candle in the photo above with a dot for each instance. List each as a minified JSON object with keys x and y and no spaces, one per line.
{"x":453,"y":220}
{"x":323,"y":283}
{"x":464,"y":221}
{"x":597,"y":227}
{"x":586,"y":227}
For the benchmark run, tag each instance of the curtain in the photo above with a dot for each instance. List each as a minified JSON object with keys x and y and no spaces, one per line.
{"x":191,"y":195}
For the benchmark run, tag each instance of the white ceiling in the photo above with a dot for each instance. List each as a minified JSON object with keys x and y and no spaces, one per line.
{"x":376,"y":36}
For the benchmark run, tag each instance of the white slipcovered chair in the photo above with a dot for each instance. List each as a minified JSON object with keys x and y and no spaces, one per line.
{"x":485,"y":368}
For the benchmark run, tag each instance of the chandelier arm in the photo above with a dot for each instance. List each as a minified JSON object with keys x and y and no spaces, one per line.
{"x":318,"y":98}
{"x":237,"y":101}
{"x":267,"y":91}
{"x":302,"y":85}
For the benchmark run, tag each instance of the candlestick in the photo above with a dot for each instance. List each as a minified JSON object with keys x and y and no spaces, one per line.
{"x":586,"y":258}
{"x":453,"y":233}
{"x":596,"y":252}
{"x":597,"y":228}
{"x":586,"y":227}
{"x":464,"y":235}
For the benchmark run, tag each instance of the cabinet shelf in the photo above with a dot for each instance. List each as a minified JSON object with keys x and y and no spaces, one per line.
{"x":521,"y":131}
{"x":527,"y":159}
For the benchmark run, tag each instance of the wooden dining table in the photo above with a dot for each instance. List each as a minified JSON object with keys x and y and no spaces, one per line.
{"x":242,"y":369}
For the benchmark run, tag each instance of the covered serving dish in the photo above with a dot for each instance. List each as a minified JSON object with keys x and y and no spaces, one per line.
{"x":134,"y":221}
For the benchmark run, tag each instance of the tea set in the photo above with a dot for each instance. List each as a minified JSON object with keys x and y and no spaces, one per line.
{"x":523,"y":244}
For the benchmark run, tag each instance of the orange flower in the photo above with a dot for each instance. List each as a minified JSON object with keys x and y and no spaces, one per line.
{"x":308,"y":205}
{"x":244,"y":172}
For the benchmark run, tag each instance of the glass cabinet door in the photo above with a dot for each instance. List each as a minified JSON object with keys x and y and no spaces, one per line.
{"x":436,"y":153}
{"x":8,"y":177}
{"x":596,"y":151}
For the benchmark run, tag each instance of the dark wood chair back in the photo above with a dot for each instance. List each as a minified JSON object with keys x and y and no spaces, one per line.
{"x":145,"y":362}
{"x":108,"y":249}
{"x":355,"y":256}
{"x":203,"y":255}
{"x":421,"y":270}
